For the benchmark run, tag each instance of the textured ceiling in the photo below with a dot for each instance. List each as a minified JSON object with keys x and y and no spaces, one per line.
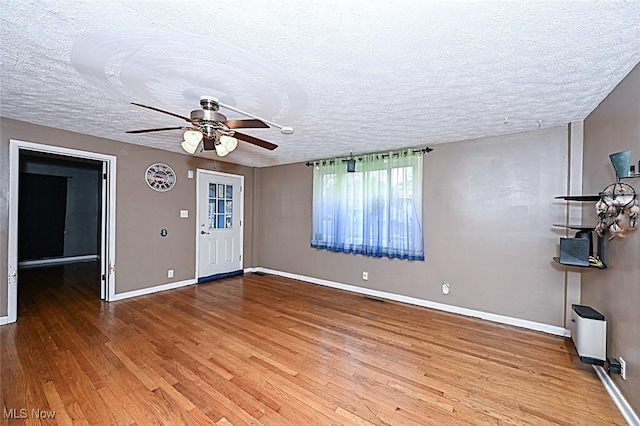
{"x":350,"y":76}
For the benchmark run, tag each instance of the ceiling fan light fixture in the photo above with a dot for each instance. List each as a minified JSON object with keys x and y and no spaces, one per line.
{"x":192,"y":137}
{"x":221,"y":150}
{"x":191,"y":141}
{"x":189,"y":148}
{"x":229,"y":142}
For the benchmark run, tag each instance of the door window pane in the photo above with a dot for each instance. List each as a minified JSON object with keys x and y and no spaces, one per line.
{"x":220,"y":206}
{"x":212,"y":206}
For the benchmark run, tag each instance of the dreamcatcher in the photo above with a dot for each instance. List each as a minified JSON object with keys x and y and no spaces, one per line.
{"x":618,"y":210}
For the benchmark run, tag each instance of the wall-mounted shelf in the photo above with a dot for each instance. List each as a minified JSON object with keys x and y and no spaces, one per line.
{"x":634,"y":176}
{"x":599,"y":266}
{"x":596,"y":260}
{"x":576,"y":227}
{"x":579,"y":197}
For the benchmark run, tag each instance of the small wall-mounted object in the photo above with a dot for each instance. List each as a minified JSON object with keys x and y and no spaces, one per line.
{"x":621,"y":163}
{"x":613,"y":366}
{"x":575,"y":251}
{"x":351,"y":165}
{"x":589,"y":334}
{"x":618,"y":210}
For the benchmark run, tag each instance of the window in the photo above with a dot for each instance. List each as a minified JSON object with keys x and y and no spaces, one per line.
{"x":375,"y":211}
{"x":220,"y":206}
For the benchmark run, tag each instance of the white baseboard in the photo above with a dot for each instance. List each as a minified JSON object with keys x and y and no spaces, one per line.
{"x":150,"y":290}
{"x":4,"y":320}
{"x":502,"y":319}
{"x":625,"y":408}
{"x":57,"y":260}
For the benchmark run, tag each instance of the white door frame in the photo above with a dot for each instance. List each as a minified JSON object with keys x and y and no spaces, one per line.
{"x":108,"y":286}
{"x":199,"y":173}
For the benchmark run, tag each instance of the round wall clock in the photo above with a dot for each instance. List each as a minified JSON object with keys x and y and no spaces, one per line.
{"x":160,"y":177}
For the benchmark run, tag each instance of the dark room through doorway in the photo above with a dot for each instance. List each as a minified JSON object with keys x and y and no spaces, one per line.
{"x":59,"y":224}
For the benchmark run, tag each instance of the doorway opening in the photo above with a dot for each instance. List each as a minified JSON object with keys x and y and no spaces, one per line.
{"x":59,"y":209}
{"x":61,"y":213}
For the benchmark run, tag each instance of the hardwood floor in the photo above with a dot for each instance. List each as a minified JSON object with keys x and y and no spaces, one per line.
{"x":268,"y":350}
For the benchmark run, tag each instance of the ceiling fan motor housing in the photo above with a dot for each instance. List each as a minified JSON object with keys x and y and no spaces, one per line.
{"x":207,"y":115}
{"x":210,"y":122}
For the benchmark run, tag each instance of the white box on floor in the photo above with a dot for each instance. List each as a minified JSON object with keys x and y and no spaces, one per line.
{"x":589,"y":334}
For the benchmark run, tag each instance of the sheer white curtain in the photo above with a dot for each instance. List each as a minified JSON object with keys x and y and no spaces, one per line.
{"x":375,"y":211}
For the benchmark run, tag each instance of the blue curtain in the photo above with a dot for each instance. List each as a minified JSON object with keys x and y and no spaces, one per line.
{"x":375,"y":211}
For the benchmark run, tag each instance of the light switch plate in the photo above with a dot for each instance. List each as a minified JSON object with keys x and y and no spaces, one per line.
{"x":184,"y":213}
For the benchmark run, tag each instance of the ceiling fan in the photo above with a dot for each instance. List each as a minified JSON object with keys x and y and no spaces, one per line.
{"x":214,"y":130}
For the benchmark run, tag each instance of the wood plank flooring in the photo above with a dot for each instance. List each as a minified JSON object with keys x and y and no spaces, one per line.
{"x":260,"y":349}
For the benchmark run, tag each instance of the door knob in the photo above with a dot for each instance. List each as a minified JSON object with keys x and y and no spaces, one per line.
{"x":203,"y":232}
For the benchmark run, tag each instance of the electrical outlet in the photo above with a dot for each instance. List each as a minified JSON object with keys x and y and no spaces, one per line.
{"x":623,"y":368}
{"x":170,"y":273}
{"x":365,"y":275}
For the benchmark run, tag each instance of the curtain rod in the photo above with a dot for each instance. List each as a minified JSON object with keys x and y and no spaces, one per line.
{"x":415,"y":151}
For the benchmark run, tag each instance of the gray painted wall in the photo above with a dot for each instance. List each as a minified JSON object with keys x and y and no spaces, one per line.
{"x":142,"y":255}
{"x":612,"y":127}
{"x":488,"y":214}
{"x":488,"y":207}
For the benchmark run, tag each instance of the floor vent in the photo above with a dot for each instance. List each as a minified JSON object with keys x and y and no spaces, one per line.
{"x":259,"y":273}
{"x":373,"y":299}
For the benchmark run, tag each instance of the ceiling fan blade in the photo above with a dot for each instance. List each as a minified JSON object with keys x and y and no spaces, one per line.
{"x":164,"y":112}
{"x":255,"y":141}
{"x":246,"y":124}
{"x":159,"y":129}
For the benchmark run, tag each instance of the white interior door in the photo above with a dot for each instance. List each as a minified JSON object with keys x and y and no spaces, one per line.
{"x":220,"y":213}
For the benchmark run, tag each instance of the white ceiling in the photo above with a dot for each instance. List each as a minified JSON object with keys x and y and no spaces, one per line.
{"x":349,"y":75}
